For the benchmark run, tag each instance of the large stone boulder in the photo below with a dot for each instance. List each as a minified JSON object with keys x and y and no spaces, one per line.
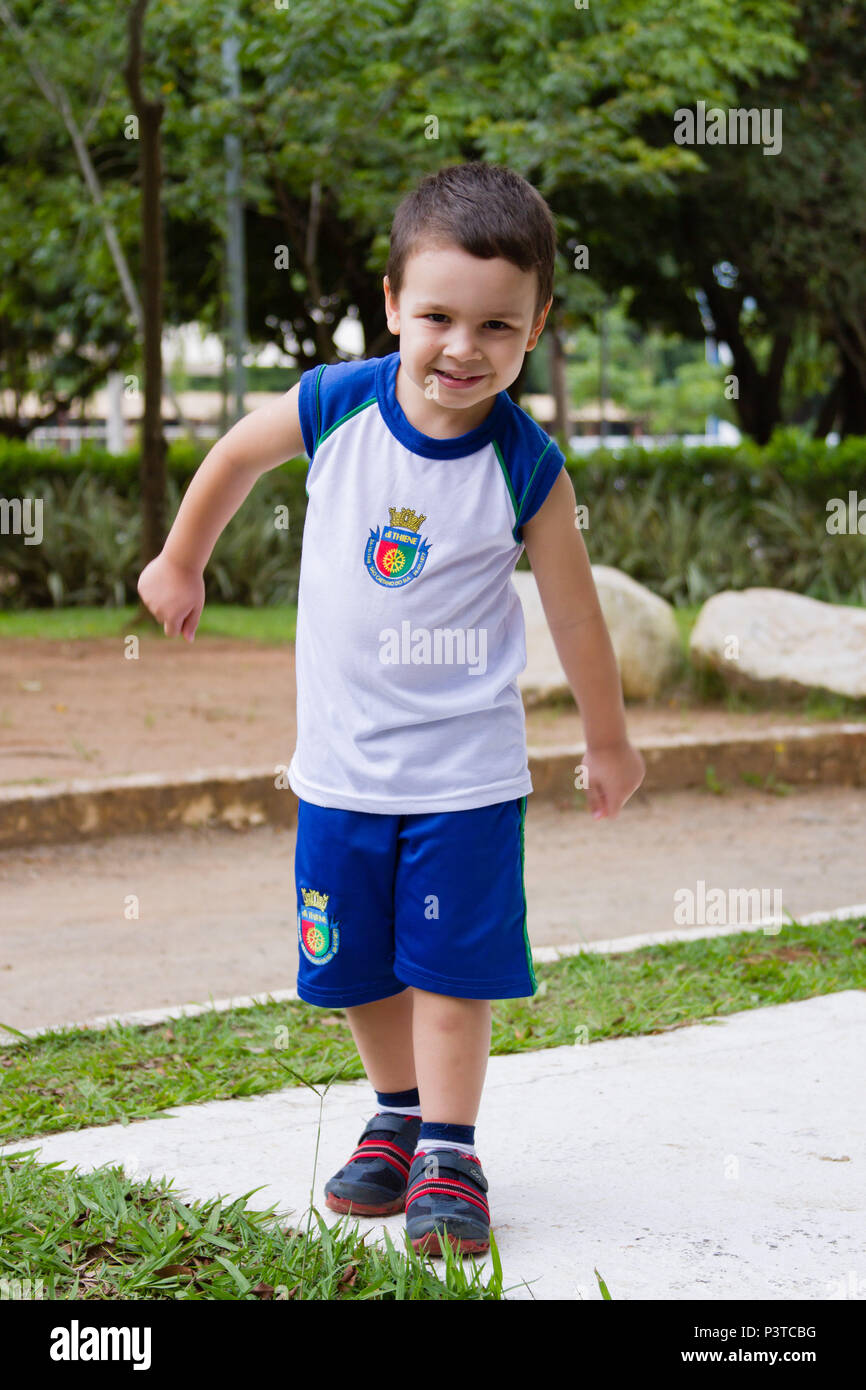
{"x":772,"y":639}
{"x":642,"y":628}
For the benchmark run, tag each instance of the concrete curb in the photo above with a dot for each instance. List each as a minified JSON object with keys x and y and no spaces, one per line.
{"x":143,"y":802}
{"x":145,"y":1018}
{"x":244,"y":797}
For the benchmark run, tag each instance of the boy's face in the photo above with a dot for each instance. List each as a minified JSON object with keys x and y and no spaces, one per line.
{"x":463,"y":315}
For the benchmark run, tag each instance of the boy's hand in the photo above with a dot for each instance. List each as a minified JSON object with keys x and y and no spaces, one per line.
{"x":613,"y":774}
{"x":173,"y":594}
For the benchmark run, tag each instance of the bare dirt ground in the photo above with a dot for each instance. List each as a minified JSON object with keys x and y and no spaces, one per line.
{"x":80,"y":709}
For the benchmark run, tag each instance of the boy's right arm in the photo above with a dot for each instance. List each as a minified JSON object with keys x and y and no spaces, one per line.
{"x":172,"y":585}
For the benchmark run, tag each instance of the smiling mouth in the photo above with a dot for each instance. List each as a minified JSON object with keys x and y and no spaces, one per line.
{"x":452,"y":376}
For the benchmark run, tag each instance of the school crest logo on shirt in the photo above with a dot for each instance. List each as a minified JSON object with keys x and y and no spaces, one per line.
{"x":318,"y":934}
{"x":398,"y":554}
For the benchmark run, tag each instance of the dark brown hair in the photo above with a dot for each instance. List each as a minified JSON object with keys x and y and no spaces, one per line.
{"x":487,"y":210}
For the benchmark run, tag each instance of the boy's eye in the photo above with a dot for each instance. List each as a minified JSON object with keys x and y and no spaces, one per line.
{"x":498,"y":322}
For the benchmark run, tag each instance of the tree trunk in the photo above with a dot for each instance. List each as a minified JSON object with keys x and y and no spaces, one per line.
{"x":759,"y":399}
{"x":153,"y":444}
{"x":560,"y":425}
{"x":153,"y":453}
{"x":852,"y":399}
{"x":829,"y":410}
{"x":57,"y":97}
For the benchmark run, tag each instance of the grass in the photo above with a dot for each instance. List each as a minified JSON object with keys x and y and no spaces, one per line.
{"x":275,"y":625}
{"x":98,"y":1235}
{"x":66,"y":1080}
{"x":685,"y":619}
{"x":101,"y":1235}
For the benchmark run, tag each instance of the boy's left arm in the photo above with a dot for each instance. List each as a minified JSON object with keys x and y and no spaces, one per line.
{"x":569,"y":597}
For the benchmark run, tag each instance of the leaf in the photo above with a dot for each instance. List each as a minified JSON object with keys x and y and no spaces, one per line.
{"x":218,"y":1240}
{"x":242,"y":1282}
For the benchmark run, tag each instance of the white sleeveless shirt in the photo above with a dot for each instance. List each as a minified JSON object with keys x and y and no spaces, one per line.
{"x":410,"y":633}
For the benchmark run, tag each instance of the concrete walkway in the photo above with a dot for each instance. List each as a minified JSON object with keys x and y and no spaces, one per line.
{"x":715,"y":1161}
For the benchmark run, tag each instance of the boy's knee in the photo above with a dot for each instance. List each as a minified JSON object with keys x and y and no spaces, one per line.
{"x":448,"y":1011}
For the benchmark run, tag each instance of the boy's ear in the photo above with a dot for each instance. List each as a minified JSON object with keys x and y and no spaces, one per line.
{"x":538,"y":325}
{"x":391,"y":314}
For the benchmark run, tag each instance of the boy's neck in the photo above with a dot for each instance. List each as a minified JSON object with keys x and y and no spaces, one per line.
{"x":429,"y":418}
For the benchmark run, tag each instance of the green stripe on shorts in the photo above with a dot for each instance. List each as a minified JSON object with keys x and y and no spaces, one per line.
{"x":523,"y":886}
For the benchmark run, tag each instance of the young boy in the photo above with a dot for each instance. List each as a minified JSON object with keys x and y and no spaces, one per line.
{"x":425,"y":484}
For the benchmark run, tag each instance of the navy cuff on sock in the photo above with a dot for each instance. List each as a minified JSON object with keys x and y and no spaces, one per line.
{"x":457,"y":1134}
{"x":398,"y":1097}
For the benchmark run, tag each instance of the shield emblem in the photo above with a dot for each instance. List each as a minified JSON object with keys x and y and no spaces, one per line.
{"x":315,"y":934}
{"x":395,"y":552}
{"x":397,"y":556}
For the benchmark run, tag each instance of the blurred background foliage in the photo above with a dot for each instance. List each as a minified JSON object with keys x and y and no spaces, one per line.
{"x":342,"y":109}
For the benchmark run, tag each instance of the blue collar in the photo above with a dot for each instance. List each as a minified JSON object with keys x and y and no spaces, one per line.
{"x":397,"y":422}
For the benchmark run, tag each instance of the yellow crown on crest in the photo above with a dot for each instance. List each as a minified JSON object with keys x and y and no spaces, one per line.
{"x":313,"y":898}
{"x":406,"y":518}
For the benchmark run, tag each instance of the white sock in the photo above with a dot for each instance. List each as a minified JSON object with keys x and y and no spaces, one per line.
{"x":400,"y":1110}
{"x":427,"y":1145}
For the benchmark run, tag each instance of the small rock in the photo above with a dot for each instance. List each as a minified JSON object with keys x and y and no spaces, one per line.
{"x":642,"y":627}
{"x":774,"y":638}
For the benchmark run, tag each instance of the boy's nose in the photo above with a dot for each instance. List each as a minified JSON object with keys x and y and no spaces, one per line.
{"x":462,"y":352}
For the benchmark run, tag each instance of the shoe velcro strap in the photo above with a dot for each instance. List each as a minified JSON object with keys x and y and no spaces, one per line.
{"x":454,"y":1160}
{"x":394,"y":1124}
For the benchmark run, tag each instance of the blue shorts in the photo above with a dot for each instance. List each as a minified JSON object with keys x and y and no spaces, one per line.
{"x":435,"y":900}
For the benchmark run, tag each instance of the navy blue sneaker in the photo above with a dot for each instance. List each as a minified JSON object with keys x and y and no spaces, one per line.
{"x":447,"y":1197}
{"x":374,"y":1181}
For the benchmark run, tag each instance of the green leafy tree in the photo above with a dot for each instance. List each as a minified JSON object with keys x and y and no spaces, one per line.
{"x":774,"y":244}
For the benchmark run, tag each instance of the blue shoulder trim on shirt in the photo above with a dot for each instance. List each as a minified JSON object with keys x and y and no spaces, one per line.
{"x":332,"y":392}
{"x":533,"y":461}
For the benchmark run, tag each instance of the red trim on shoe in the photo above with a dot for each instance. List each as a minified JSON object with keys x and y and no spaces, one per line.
{"x":383,"y":1144}
{"x":373,"y":1151}
{"x":447,"y":1185}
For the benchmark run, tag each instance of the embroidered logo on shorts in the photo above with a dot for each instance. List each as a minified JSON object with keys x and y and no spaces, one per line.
{"x":398,"y":555}
{"x":318,"y":934}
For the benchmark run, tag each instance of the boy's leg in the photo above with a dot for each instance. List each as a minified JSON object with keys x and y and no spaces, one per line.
{"x":373,"y":1181}
{"x":451,"y":1039}
{"x":446,"y":1194}
{"x":383,"y":1035}
{"x":460,"y":939}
